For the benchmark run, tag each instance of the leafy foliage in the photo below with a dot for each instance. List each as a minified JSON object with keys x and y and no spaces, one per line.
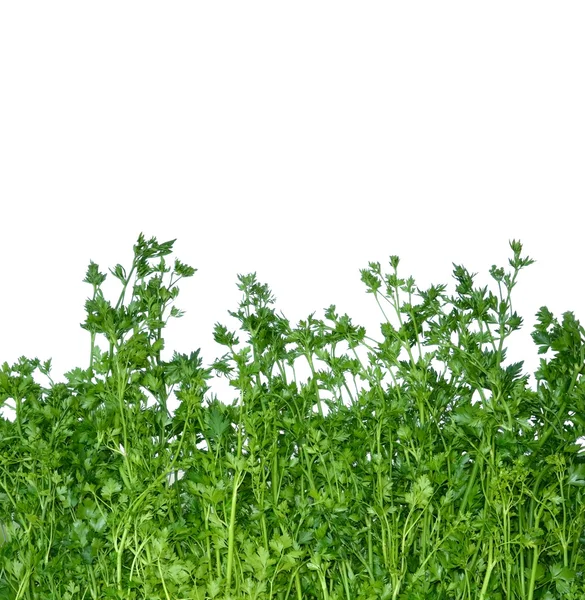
{"x":442,"y":475}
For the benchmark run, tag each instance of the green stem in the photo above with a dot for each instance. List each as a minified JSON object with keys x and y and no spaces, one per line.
{"x":535,"y":556}
{"x":232,"y":529}
{"x":237,"y":483}
{"x":470,"y":484}
{"x":120,"y":551}
{"x":488,"y":573}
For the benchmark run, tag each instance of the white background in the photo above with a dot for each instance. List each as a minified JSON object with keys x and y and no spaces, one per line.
{"x":297,"y":140}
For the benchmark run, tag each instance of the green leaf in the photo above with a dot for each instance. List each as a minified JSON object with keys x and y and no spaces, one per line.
{"x":110,"y":488}
{"x":184,"y":270}
{"x":93,"y":276}
{"x":421,"y":492}
{"x":577,"y":475}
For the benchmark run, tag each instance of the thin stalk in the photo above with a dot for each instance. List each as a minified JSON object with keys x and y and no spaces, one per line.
{"x":535,"y":556}
{"x":237,"y":483}
{"x":488,"y":572}
{"x":120,"y":551}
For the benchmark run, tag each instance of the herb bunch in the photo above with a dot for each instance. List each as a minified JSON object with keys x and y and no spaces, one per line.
{"x":428,"y":471}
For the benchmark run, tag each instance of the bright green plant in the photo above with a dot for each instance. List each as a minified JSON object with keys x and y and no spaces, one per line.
{"x":428,"y":471}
